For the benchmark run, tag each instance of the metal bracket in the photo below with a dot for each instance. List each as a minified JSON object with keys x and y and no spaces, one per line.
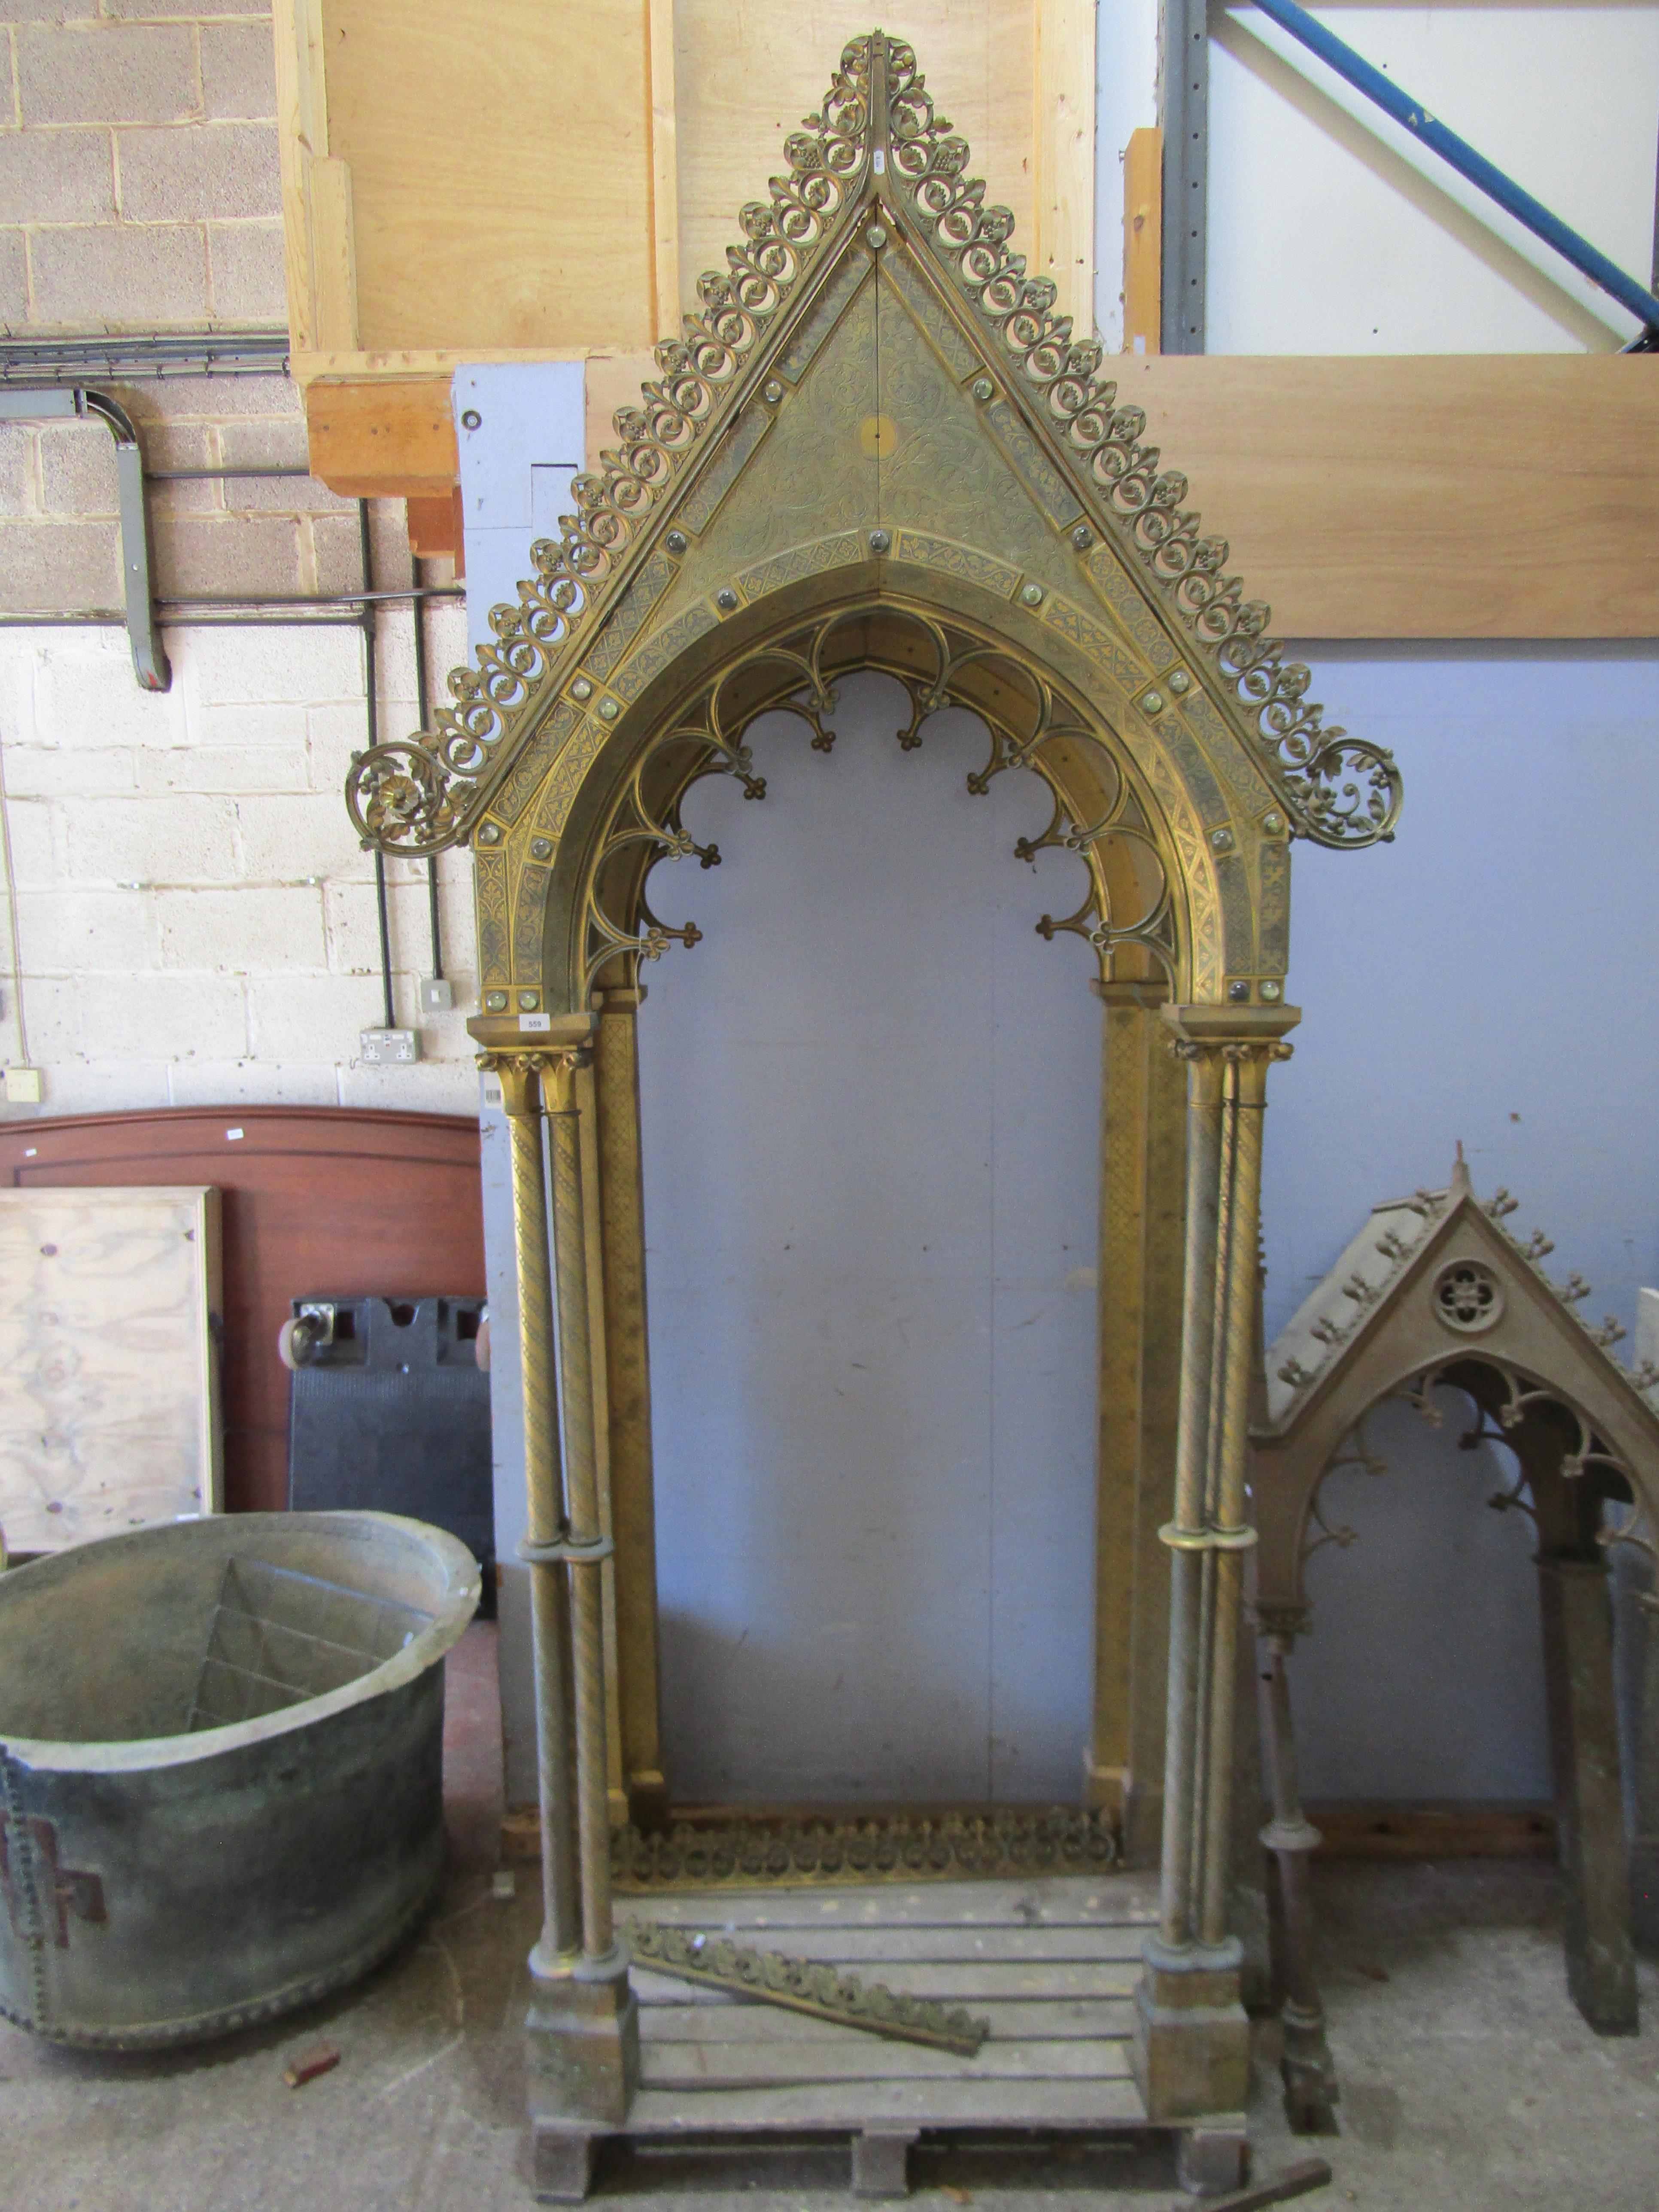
{"x":150,"y":659}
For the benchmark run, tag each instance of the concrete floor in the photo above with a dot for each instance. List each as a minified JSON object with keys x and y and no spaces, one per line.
{"x":1470,"y":2082}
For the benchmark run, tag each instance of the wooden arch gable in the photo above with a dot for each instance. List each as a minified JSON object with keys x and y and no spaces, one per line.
{"x":1429,"y":1289}
{"x":879,"y":446}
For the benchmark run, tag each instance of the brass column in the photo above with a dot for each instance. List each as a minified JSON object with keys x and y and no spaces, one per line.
{"x":1305,"y":2065}
{"x":596,"y":2023}
{"x":1192,"y":2043}
{"x":627,"y":1384}
{"x":560,"y":1943}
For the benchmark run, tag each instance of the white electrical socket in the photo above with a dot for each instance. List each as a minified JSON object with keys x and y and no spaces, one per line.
{"x":389,"y":1047}
{"x":437,"y":994}
{"x":24,"y":1086}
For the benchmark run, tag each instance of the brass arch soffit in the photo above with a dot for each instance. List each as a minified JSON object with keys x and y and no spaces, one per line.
{"x":878,"y":204}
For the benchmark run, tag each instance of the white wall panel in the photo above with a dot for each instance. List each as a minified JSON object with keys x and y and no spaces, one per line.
{"x":1333,"y":231}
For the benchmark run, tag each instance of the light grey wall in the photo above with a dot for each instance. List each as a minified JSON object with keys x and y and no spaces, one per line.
{"x":1490,"y":976}
{"x":870,"y":1129}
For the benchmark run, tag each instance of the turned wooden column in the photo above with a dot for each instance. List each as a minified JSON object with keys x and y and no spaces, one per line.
{"x":1306,"y":2064}
{"x":1192,"y":2043}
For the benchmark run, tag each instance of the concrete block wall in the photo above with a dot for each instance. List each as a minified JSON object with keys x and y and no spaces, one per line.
{"x":138,"y":173}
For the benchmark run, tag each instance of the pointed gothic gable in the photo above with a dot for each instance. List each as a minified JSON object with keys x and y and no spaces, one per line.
{"x":1425,"y":1283}
{"x":877,"y":408}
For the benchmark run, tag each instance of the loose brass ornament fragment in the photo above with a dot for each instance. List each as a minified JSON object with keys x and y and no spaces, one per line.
{"x":801,"y":1985}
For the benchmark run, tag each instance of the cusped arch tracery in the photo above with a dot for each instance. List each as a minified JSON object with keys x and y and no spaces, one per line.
{"x":1132,"y":915}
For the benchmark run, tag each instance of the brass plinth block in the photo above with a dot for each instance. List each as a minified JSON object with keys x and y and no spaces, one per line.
{"x":582,"y":2046}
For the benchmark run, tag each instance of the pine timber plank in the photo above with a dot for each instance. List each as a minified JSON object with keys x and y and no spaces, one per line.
{"x":1064,"y":146}
{"x":1058,"y":2104}
{"x":1426,"y":496}
{"x":1030,"y":2019}
{"x":1361,"y":498}
{"x":1142,"y":241}
{"x":777,"y":2063}
{"x":957,"y":1984}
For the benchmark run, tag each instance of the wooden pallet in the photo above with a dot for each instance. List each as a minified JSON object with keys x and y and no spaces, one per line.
{"x":1052,"y":1964}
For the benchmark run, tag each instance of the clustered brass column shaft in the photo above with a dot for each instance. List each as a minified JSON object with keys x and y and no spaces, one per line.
{"x":582,"y":1492}
{"x":521,"y":1096}
{"x":1226,"y":1093}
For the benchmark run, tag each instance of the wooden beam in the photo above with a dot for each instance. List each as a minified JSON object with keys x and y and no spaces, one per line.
{"x":1387,"y":1830}
{"x":384,"y":439}
{"x":435,"y":530}
{"x":1142,"y":241}
{"x":1455,"y":495}
{"x":333,"y":255}
{"x":664,"y":167}
{"x":301,"y":138}
{"x":1064,"y":151}
{"x":1458,"y":495}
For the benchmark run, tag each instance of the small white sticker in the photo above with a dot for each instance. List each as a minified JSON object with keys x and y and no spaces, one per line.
{"x":29,"y":1151}
{"x":535,"y":1023}
{"x":232,"y":1136}
{"x":879,"y":161}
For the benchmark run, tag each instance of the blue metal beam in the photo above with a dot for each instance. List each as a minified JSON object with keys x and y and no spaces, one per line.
{"x":1462,"y":157}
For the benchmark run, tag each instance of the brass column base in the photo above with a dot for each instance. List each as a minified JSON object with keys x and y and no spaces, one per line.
{"x":1191,"y":2053}
{"x":582,"y":2045}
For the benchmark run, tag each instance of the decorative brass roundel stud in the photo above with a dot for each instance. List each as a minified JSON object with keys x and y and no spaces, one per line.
{"x":983,"y":387}
{"x":1152,"y":703}
{"x":528,"y":1001}
{"x":1270,"y":994}
{"x":1222,"y":840}
{"x":490,"y":834}
{"x":879,"y":541}
{"x":875,"y":237}
{"x":674,"y":541}
{"x":581,"y":688}
{"x":1083,"y":538}
{"x":1031,"y":595}
{"x":609,"y":710}
{"x":1274,"y":822}
{"x":1238,"y":992}
{"x":494,"y":1002}
{"x":1180,"y":681}
{"x":726,"y":600}
{"x":541,"y":849}
{"x":773,"y":394}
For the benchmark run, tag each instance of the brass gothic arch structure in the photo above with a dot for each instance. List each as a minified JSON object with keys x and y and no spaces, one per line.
{"x":877,"y":445}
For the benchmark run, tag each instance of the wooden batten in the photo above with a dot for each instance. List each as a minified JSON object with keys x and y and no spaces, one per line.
{"x":384,"y":439}
{"x":1142,"y":241}
{"x":1064,"y":145}
{"x":435,"y":530}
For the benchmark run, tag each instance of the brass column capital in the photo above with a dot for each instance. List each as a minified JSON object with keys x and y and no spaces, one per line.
{"x":559,"y":1073}
{"x":520,"y":1073}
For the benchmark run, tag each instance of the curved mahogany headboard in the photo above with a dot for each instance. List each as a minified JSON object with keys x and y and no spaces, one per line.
{"x":316,"y":1199}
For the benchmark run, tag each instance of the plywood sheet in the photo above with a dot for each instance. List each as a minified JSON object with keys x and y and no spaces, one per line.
{"x":500,"y":153}
{"x":109,"y":1412}
{"x":744,"y":82}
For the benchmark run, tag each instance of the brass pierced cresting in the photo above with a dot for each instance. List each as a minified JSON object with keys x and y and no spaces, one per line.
{"x":427,"y":791}
{"x":954,"y":1847}
{"x":940,"y":663}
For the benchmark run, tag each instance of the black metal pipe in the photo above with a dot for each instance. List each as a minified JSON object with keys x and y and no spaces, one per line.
{"x":372,"y":718}
{"x":421,"y":705}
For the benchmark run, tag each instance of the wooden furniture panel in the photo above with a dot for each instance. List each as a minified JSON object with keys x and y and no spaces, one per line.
{"x":109,"y":1403}
{"x":500,"y":153}
{"x":315,"y":1199}
{"x":743,"y":84}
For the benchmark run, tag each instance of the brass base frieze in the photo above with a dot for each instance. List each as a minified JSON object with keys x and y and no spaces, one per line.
{"x":769,"y":1851}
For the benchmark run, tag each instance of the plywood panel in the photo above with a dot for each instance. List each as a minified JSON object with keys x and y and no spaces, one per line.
{"x":1447,"y":496}
{"x":109,"y":1412}
{"x":315,"y":1198}
{"x":500,"y":153}
{"x":743,"y":83}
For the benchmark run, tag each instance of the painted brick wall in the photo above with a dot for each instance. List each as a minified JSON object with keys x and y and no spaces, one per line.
{"x":194,"y":919}
{"x":138,"y":179}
